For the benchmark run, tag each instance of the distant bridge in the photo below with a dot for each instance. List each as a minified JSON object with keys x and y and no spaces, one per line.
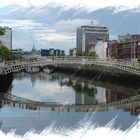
{"x":18,"y":65}
{"x":54,"y":106}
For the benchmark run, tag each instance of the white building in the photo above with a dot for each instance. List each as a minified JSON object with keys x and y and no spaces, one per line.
{"x":72,"y":52}
{"x":6,"y":39}
{"x":101,"y":95}
{"x":100,"y":49}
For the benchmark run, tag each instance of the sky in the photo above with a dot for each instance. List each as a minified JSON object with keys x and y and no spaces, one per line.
{"x":52,"y":23}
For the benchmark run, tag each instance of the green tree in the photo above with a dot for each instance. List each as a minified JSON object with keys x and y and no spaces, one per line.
{"x":93,"y":54}
{"x":7,"y":54}
{"x":2,"y":31}
{"x":78,"y":53}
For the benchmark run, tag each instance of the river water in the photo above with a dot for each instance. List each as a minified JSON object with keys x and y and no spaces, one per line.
{"x":64,"y":89}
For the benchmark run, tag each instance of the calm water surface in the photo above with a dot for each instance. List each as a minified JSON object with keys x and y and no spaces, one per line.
{"x":64,"y":89}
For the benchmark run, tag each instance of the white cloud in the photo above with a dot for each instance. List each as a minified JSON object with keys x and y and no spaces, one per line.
{"x":20,"y":24}
{"x":88,"y":5}
{"x":55,"y":37}
{"x":47,"y":28}
{"x":72,"y":24}
{"x":62,"y":31}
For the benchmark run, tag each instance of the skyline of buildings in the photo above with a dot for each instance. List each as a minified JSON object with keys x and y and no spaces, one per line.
{"x":91,"y":38}
{"x":52,"y":52}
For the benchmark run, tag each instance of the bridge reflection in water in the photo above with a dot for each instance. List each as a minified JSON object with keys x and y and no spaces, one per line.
{"x":131,"y":104}
{"x":23,"y":108}
{"x":86,"y":96}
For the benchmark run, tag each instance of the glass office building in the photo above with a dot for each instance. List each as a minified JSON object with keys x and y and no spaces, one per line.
{"x":87,"y":35}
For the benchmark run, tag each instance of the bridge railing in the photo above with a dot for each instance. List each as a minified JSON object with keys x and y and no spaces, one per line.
{"x":127,"y":101}
{"x":60,"y":59}
{"x":2,"y":64}
{"x":71,"y":60}
{"x":92,"y":59}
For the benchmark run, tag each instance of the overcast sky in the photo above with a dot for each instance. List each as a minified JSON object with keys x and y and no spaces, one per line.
{"x":52,"y":23}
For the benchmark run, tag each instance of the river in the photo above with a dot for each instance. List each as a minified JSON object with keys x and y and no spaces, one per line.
{"x":67,"y":90}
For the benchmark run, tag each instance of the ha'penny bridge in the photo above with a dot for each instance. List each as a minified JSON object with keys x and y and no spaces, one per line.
{"x":24,"y":103}
{"x":74,"y":62}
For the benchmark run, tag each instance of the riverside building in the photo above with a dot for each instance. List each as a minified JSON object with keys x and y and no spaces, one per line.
{"x":88,"y":35}
{"x":126,"y":47}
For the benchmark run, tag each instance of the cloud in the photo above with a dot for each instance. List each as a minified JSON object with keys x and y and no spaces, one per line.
{"x":88,"y":5}
{"x":62,"y":31}
{"x":29,"y":31}
{"x":52,"y":23}
{"x":55,"y":37}
{"x":70,"y":24}
{"x":20,"y":24}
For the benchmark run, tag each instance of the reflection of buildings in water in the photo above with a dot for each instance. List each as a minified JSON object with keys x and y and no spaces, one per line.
{"x":135,"y":111}
{"x":85,"y":98}
{"x":37,"y":76}
{"x":101,"y":95}
{"x":132,"y":107}
{"x":33,"y":80}
{"x":11,"y":103}
{"x":116,"y":94}
{"x":81,"y":99}
{"x":89,"y":93}
{"x":113,"y":92}
{"x":110,"y":97}
{"x":40,"y":75}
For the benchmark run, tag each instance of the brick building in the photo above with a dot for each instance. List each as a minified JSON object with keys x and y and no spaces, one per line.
{"x":127,"y":47}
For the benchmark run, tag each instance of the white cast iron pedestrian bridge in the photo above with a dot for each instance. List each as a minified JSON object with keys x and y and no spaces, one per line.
{"x":18,"y":65}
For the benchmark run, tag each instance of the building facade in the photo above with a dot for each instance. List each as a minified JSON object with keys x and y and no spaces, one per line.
{"x":59,"y":52}
{"x":72,"y":52}
{"x":112,"y":49}
{"x":100,"y":49}
{"x":6,"y":38}
{"x":127,"y":47}
{"x":88,"y":35}
{"x":52,"y":52}
{"x":44,"y":52}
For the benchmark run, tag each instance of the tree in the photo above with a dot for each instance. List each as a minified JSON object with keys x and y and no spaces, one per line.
{"x":2,"y":31}
{"x":78,"y":53}
{"x":93,"y":54}
{"x":7,"y":54}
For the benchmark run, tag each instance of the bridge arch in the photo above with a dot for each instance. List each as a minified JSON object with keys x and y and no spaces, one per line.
{"x":54,"y":106}
{"x":48,"y":68}
{"x":126,"y":66}
{"x":32,"y":69}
